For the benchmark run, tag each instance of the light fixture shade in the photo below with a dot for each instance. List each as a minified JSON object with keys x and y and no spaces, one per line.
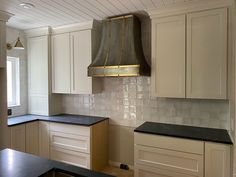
{"x":18,"y":44}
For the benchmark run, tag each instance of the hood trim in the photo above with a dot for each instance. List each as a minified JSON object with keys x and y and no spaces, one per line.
{"x":113,"y":71}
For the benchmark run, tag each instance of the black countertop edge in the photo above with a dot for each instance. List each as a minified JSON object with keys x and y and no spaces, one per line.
{"x":62,"y":118}
{"x":19,"y":164}
{"x":187,"y":132}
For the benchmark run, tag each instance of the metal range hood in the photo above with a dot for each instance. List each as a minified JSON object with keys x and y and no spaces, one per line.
{"x":120,"y":52}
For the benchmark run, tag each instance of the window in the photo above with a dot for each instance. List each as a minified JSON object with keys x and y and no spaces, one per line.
{"x":13,"y":82}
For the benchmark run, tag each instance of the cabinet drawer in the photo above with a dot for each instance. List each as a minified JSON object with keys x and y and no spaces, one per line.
{"x":70,"y":141}
{"x":70,"y":157}
{"x":72,"y":129}
{"x":179,"y":162}
{"x":146,"y":171}
{"x":176,"y":144}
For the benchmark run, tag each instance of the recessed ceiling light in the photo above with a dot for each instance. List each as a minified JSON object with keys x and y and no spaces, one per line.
{"x":26,"y":5}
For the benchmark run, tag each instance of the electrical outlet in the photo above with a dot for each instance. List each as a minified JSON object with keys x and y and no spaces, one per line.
{"x":124,"y":167}
{"x":9,"y":112}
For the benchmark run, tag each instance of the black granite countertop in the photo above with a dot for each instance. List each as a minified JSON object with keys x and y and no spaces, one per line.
{"x":189,"y":132}
{"x":18,"y":164}
{"x":62,"y":118}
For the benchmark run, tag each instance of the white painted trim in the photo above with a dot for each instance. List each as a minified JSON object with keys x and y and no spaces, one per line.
{"x":189,"y":7}
{"x":38,"y":32}
{"x":117,"y":164}
{"x":4,"y":16}
{"x":74,"y":27}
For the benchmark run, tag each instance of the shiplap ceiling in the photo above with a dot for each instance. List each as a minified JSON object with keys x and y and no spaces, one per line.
{"x":60,"y":12}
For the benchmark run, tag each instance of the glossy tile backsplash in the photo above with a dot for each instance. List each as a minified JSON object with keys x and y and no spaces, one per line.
{"x":127,"y":102}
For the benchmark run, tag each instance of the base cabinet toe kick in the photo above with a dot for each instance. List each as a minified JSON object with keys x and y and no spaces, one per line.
{"x":163,"y":156}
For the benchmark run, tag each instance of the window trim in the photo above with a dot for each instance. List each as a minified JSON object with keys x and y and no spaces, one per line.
{"x":15,"y":81}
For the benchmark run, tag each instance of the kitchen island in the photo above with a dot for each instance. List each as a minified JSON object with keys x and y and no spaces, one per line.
{"x":18,"y":164}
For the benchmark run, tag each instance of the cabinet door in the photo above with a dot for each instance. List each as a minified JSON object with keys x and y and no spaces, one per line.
{"x":32,"y":138}
{"x":38,"y":74}
{"x":207,"y":54}
{"x":81,"y":57}
{"x":61,"y":63}
{"x":44,"y":139}
{"x":168,"y":57}
{"x":148,"y":171}
{"x":217,"y":160}
{"x":18,"y":137}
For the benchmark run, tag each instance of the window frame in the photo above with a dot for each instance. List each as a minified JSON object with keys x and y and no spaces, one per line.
{"x":15,"y":61}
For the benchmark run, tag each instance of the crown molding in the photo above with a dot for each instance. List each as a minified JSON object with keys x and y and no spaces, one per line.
{"x":4,"y":16}
{"x":38,"y":32}
{"x":75,"y":27}
{"x":189,"y":7}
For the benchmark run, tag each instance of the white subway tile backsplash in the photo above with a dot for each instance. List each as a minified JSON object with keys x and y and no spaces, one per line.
{"x":128,"y":102}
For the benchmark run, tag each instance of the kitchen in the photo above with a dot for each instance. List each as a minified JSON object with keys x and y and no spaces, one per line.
{"x":47,"y":81}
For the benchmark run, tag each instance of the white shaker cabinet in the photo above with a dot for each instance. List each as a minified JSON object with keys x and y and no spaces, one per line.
{"x":163,"y":156}
{"x":168,"y":56}
{"x":189,"y":55}
{"x":207,"y":54}
{"x":73,"y":49}
{"x":81,"y":58}
{"x":61,"y":63}
{"x":40,"y":98}
{"x":38,"y":75}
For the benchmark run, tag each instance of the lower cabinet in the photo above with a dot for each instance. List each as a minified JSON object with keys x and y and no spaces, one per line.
{"x":84,"y":146}
{"x":162,"y":156}
{"x":32,"y":138}
{"x":217,"y":160}
{"x":44,"y":139}
{"x":18,"y":137}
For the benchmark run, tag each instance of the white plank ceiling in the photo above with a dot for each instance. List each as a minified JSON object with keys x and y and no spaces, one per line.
{"x":60,"y":12}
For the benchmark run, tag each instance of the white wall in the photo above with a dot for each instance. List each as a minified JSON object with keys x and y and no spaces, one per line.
{"x":12,"y":35}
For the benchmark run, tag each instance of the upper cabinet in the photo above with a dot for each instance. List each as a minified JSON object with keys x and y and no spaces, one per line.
{"x":207,"y":54}
{"x":168,"y":51}
{"x":189,"y":55}
{"x":72,"y":51}
{"x":61,"y":63}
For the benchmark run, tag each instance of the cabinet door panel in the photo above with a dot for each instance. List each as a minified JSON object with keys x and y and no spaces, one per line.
{"x":38,"y":65}
{"x":61,"y":63}
{"x":44,"y":139}
{"x":70,"y":141}
{"x":168,"y":56}
{"x":81,"y":57}
{"x":217,"y":160}
{"x":207,"y":54}
{"x":147,"y":171}
{"x":179,"y":162}
{"x":18,"y":137}
{"x":70,"y":157}
{"x":32,"y":138}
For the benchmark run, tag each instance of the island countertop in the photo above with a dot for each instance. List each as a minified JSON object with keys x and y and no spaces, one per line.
{"x":188,"y":132}
{"x":62,"y":118}
{"x":18,"y":164}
